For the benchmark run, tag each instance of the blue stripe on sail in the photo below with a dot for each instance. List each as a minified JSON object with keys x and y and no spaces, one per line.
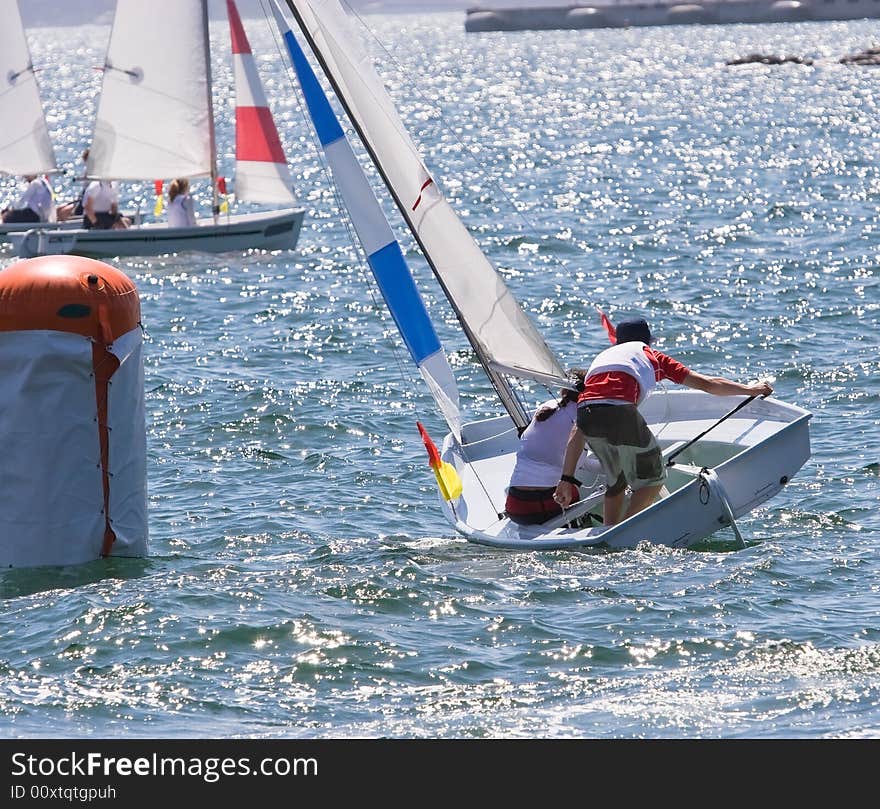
{"x":326,"y":124}
{"x":387,"y":263}
{"x":404,"y":302}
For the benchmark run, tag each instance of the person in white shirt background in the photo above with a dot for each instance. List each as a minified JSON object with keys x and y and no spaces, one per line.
{"x":181,"y":213}
{"x":36,"y":204}
{"x":101,"y":207}
{"x":75,"y":207}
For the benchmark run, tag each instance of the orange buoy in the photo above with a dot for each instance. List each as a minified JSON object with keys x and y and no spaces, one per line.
{"x":72,"y":418}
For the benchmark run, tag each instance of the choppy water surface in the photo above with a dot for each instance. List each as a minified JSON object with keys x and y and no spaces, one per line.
{"x":302,"y":580}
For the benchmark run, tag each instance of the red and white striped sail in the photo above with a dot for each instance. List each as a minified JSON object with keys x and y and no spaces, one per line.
{"x":261,"y":171}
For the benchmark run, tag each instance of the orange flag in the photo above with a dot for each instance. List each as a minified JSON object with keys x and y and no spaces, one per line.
{"x":157,"y":187}
{"x":447,"y":478}
{"x":609,"y":326}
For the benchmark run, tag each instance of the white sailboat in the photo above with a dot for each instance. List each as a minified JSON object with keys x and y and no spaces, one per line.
{"x":155,"y":120}
{"x":25,"y":145}
{"x":722,"y":463}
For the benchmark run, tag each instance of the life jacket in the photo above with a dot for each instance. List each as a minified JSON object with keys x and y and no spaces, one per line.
{"x":630,"y":358}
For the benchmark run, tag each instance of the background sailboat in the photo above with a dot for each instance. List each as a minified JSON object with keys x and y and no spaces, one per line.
{"x":742,"y":463}
{"x":155,"y":120}
{"x":25,"y":145}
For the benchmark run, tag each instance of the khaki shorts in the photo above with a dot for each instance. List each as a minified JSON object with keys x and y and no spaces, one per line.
{"x":624,"y":444}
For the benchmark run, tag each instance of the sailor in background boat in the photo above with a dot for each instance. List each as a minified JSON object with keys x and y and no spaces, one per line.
{"x":36,"y":204}
{"x":180,"y":205}
{"x":101,"y":207}
{"x":608,"y":420}
{"x":539,"y":457}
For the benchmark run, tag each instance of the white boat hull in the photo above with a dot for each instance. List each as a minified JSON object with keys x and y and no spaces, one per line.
{"x":271,"y":230}
{"x":753,"y":455}
{"x":6,"y":230}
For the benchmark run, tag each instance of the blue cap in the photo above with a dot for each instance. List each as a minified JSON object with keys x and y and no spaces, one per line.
{"x":635,"y":329}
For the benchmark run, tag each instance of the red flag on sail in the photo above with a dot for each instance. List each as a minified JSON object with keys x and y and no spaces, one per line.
{"x":609,"y":326}
{"x":447,"y":478}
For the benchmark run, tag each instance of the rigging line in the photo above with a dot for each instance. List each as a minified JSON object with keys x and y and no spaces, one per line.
{"x":288,"y":69}
{"x":742,"y":404}
{"x":408,"y":379}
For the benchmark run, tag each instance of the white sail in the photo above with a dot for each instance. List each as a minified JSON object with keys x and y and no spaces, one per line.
{"x":154,"y":116}
{"x":500,"y":330}
{"x":25,"y":147}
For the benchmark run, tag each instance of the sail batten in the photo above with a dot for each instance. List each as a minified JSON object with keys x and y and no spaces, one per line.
{"x":501,"y":332}
{"x":25,"y":146}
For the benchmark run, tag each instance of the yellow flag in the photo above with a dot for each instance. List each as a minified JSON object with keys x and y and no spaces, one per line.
{"x":448,"y":481}
{"x":224,"y":206}
{"x":447,"y":478}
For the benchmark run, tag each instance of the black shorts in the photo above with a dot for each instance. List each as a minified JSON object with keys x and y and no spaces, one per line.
{"x":21,"y":215}
{"x":624,"y":444}
{"x":531,"y":506}
{"x":104,"y":221}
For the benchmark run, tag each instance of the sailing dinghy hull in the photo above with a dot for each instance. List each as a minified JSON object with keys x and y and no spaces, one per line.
{"x":739,"y":465}
{"x":6,"y":230}
{"x":275,"y":230}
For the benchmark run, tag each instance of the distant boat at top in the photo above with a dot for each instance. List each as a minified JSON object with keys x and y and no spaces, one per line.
{"x":634,"y":13}
{"x":155,"y":121}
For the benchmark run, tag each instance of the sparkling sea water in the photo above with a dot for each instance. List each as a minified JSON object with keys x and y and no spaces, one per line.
{"x":302,"y":581}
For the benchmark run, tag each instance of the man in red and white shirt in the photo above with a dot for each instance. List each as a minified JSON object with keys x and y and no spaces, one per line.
{"x":608,"y":420}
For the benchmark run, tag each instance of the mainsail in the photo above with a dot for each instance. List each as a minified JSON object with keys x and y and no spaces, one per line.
{"x":502,"y":334}
{"x":25,"y":147}
{"x":154,"y":114}
{"x":384,"y":255}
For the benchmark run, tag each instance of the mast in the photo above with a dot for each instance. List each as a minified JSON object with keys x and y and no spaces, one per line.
{"x":215,"y":202}
{"x":502,"y":386}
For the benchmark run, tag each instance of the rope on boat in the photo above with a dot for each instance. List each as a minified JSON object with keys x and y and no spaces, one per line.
{"x":712,"y":482}
{"x":742,"y":404}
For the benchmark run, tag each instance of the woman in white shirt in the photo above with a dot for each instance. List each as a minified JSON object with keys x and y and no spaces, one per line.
{"x":539,"y":458}
{"x":180,"y":205}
